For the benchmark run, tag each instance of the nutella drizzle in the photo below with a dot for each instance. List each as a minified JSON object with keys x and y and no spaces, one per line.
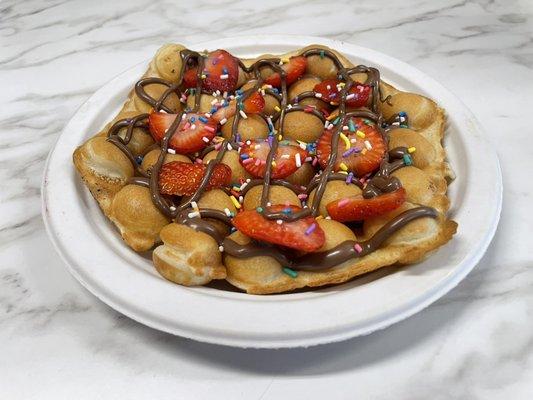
{"x":381,"y":182}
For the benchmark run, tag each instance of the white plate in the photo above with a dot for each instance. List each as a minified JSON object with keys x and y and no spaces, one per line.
{"x":97,"y":257}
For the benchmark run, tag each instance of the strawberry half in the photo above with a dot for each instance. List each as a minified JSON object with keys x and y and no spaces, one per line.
{"x":365,"y":153}
{"x":357,"y":208}
{"x":252,"y":105}
{"x":221,"y":72}
{"x":357,"y":96}
{"x":288,"y":158}
{"x":183,"y":179}
{"x":190,"y":134}
{"x":296,"y":234}
{"x":293,"y":69}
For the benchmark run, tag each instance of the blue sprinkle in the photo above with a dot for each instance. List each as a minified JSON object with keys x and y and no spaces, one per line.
{"x":402,"y":114}
{"x":203,"y":119}
{"x":286,"y":211}
{"x":224,"y":70}
{"x":139,"y":160}
{"x":245,"y":156}
{"x":193,"y":120}
{"x":407,"y":159}
{"x":213,"y":110}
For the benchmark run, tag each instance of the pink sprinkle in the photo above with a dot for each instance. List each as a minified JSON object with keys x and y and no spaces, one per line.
{"x":209,"y":128}
{"x":357,"y":247}
{"x":315,"y":160}
{"x":186,"y":126}
{"x":302,"y":196}
{"x":263,"y":162}
{"x":257,"y":162}
{"x":343,"y":202}
{"x":199,"y":161}
{"x":248,"y":161}
{"x":218,"y":146}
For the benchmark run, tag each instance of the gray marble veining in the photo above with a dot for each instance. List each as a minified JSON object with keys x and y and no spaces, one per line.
{"x":57,"y":341}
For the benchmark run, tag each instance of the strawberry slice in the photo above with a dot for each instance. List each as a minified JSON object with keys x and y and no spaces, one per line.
{"x":293,"y":69}
{"x":252,"y":105}
{"x":330,"y":91}
{"x":357,"y":208}
{"x":366,"y":151}
{"x":183,"y":179}
{"x":193,"y":133}
{"x":221,"y":72}
{"x":297,"y":234}
{"x":288,"y":158}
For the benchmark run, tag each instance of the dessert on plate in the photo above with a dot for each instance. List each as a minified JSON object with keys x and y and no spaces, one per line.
{"x":274,"y":173}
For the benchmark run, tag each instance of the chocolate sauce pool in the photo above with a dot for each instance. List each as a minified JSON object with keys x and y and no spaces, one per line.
{"x":381,"y":182}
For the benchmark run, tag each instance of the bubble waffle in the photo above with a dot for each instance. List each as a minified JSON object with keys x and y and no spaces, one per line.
{"x":275,"y":173}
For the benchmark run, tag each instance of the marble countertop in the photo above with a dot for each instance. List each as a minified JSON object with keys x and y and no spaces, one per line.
{"x":57,"y":341}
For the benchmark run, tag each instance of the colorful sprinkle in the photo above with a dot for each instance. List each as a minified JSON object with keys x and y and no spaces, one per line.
{"x":259,"y":209}
{"x":357,"y":247}
{"x":368,"y":145}
{"x":235,"y":202}
{"x":407,"y":159}
{"x":360,"y":134}
{"x":171,"y":151}
{"x":298,"y":160}
{"x":277,"y":108}
{"x":349,"y":177}
{"x":411,"y":149}
{"x":223,"y":121}
{"x":343,"y":202}
{"x":311,"y":229}
{"x":221,"y":248}
{"x":345,"y":140}
{"x":343,"y":167}
{"x":292,"y":273}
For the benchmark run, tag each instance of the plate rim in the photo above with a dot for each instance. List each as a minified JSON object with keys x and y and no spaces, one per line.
{"x":412,"y":307}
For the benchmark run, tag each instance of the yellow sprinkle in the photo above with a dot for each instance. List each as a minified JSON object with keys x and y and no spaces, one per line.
{"x":284,"y":60}
{"x":277,"y":108}
{"x":280,"y":138}
{"x":411,"y":149}
{"x":343,"y":167}
{"x":203,"y":76}
{"x":342,"y":84}
{"x":273,"y":163}
{"x":319,"y":217}
{"x":360,"y":134}
{"x":332,"y":117}
{"x":345,"y":140}
{"x":363,"y":152}
{"x":235,"y":202}
{"x":343,"y":172}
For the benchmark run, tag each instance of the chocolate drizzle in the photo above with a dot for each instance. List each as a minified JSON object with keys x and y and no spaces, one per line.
{"x":381,"y":182}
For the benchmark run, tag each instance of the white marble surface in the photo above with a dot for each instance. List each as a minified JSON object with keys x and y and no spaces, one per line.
{"x":57,"y":341}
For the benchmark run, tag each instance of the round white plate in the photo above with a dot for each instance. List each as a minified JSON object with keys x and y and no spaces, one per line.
{"x":127,"y":281}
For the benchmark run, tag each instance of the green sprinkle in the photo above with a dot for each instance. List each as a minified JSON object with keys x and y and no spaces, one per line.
{"x":241,"y":106}
{"x":336,"y":121}
{"x":407,"y":159}
{"x":321,"y":53}
{"x":351,"y":126}
{"x":259,"y":209}
{"x":403,"y":126}
{"x":292,"y":273}
{"x":368,"y":122}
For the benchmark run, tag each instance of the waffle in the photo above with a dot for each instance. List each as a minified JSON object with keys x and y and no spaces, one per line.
{"x":192,"y":237}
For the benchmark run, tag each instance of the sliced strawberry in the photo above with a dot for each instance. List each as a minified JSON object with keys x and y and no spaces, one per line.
{"x":193,"y":133}
{"x":255,"y":103}
{"x":330,"y":91}
{"x":357,"y":208}
{"x":254,"y":154}
{"x":358,"y":158}
{"x":183,"y":179}
{"x":296,"y":234}
{"x":221,"y":72}
{"x":293,"y":69}
{"x":252,"y":105}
